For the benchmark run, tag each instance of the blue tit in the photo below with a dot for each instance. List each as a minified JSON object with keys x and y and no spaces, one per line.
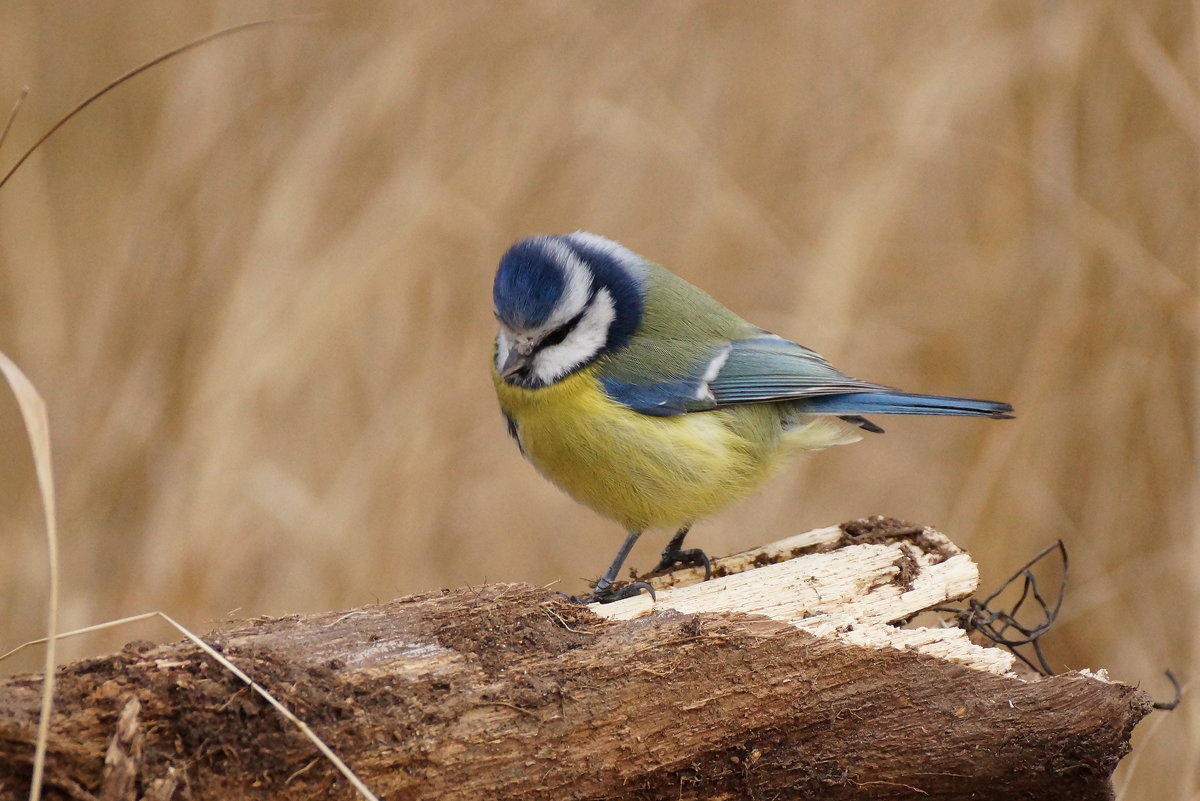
{"x":647,"y":400}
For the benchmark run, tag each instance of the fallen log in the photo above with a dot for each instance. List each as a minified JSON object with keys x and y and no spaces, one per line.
{"x":786,"y":676}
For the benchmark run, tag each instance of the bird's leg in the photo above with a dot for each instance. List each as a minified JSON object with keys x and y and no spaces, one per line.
{"x":603,"y":592}
{"x":674,"y":554}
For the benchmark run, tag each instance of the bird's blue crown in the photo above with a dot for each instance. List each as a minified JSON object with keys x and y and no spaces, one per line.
{"x":532,"y":278}
{"x":529,"y":283}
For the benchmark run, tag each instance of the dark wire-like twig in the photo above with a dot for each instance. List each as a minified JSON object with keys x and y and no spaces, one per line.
{"x":1174,"y":702}
{"x":996,"y":625}
{"x":139,"y":70}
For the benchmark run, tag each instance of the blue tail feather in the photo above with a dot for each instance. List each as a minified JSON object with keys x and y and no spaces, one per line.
{"x":903,"y":403}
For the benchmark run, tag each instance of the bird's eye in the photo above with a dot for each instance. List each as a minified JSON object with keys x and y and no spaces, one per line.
{"x":556,"y":336}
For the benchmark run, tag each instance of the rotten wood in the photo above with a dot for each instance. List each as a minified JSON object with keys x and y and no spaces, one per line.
{"x":786,"y":676}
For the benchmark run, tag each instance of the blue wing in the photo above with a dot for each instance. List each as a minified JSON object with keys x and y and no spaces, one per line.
{"x":661,"y":398}
{"x":756,"y":370}
{"x":904,"y":403}
{"x":769,"y":369}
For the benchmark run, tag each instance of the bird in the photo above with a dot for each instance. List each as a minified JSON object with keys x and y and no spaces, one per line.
{"x":645,"y":399}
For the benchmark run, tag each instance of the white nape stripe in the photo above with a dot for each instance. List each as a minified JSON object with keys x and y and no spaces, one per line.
{"x":630,"y":261}
{"x":581,"y":345}
{"x":576,"y":289}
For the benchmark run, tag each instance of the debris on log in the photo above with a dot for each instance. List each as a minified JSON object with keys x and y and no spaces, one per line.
{"x":790,"y":674}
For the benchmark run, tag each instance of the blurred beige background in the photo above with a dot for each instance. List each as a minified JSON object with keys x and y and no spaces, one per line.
{"x":254,"y":289}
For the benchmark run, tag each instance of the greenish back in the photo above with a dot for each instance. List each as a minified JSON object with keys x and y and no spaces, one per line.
{"x":681,"y":326}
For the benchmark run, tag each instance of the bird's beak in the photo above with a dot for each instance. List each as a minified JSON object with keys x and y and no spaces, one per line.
{"x":517,"y":360}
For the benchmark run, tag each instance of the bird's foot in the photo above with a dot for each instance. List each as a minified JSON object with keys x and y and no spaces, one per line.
{"x":689,"y":557}
{"x":607,"y":594}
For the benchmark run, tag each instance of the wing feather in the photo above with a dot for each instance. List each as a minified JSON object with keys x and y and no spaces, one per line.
{"x":761,"y":369}
{"x":770,"y":368}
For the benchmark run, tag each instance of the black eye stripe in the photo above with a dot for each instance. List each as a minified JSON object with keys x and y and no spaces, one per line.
{"x":556,"y":336}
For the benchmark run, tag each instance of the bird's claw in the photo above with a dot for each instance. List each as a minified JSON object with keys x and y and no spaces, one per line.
{"x":690,"y":557}
{"x":606,"y":595}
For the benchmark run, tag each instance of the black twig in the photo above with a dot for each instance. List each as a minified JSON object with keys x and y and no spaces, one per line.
{"x":1174,"y":702}
{"x":1002,"y":627}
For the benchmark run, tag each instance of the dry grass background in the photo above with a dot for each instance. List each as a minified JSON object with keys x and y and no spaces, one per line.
{"x":253,"y":287}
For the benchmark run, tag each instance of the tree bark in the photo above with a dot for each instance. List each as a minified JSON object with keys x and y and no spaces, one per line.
{"x":777,"y":679}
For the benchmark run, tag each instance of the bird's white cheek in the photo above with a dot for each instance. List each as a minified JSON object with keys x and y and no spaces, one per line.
{"x":581,"y":346}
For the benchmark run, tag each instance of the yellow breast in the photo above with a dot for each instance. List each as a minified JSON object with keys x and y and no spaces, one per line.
{"x":638,"y":469}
